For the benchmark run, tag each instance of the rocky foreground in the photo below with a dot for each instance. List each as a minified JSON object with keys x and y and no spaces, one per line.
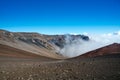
{"x":99,"y":68}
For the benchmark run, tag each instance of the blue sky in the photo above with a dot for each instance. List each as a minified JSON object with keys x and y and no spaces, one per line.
{"x":60,"y":16}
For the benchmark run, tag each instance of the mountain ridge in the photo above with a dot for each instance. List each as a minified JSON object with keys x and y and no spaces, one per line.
{"x":41,"y":44}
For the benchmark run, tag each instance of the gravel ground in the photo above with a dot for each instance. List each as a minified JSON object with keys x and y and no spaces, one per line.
{"x":76,"y":69}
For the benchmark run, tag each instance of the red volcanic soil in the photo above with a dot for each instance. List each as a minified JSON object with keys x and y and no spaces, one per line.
{"x":10,"y":52}
{"x":107,"y":50}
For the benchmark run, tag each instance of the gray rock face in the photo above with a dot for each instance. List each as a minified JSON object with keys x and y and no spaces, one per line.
{"x":60,"y":40}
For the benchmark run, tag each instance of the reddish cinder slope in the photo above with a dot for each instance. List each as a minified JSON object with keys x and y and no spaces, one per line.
{"x":107,"y":50}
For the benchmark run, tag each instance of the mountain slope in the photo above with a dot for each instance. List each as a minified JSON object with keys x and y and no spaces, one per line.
{"x":10,"y":52}
{"x":107,"y":50}
{"x":44,"y":45}
{"x":30,"y":42}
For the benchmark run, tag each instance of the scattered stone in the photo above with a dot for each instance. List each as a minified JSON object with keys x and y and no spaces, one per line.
{"x":3,"y":72}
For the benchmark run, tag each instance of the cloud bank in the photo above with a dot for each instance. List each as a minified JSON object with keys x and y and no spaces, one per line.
{"x":77,"y":47}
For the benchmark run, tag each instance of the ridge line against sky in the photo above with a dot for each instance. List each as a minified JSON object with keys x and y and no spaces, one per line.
{"x":60,"y":16}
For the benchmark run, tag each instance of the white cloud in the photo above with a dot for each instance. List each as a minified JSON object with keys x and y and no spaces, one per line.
{"x":85,"y":33}
{"x":78,"y":47}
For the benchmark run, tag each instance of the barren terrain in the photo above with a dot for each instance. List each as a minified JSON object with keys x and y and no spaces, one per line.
{"x":73,"y":69}
{"x":28,"y":56}
{"x":21,"y":65}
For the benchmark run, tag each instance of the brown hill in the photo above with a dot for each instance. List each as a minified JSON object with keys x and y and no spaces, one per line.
{"x":31,"y":42}
{"x":44,"y":45}
{"x":107,"y":50}
{"x":10,"y":52}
